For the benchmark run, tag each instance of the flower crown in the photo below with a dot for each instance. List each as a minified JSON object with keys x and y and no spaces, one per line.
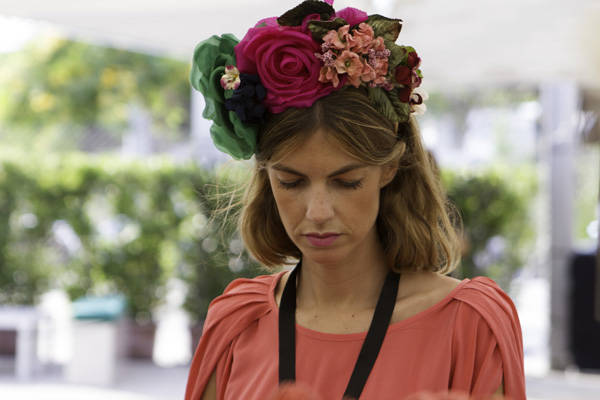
{"x":292,"y":61}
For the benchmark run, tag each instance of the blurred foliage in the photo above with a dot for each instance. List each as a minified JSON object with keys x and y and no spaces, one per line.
{"x":98,"y":225}
{"x":220,"y":257}
{"x":495,"y":206}
{"x":56,"y":90}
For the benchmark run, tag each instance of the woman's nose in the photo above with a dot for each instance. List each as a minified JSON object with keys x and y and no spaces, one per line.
{"x":320,"y":207}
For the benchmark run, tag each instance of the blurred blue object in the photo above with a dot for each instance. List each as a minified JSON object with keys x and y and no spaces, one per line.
{"x":104,"y":308}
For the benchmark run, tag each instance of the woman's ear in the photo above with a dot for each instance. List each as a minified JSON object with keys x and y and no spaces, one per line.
{"x":388,"y":172}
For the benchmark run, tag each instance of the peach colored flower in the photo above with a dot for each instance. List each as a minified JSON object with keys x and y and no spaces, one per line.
{"x":368,"y":73}
{"x":361,"y":39}
{"x":329,"y":74}
{"x":351,"y":64}
{"x":379,"y":64}
{"x":337,"y":39}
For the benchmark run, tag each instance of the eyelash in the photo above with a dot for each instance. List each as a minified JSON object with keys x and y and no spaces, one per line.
{"x":345,"y":184}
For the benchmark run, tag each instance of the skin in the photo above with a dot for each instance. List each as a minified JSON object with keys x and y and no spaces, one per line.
{"x":319,"y":188}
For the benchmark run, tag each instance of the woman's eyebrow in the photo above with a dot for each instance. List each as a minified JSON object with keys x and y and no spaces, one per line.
{"x":340,"y":171}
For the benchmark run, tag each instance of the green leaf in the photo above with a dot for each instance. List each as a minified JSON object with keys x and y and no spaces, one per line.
{"x":398,"y":54}
{"x":296,"y":15}
{"x":389,"y":28}
{"x":402,"y":109}
{"x":320,"y":28}
{"x":382,"y":103}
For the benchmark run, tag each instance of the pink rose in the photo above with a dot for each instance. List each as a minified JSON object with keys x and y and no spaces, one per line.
{"x":270,"y":21}
{"x":353,"y":16}
{"x":284,"y":59}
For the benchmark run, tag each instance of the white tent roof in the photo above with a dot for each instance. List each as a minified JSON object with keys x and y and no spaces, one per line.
{"x":460,"y":41}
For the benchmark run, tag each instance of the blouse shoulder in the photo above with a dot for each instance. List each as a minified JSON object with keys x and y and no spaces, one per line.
{"x":488,"y":312}
{"x":243,"y":302}
{"x":243,"y":299}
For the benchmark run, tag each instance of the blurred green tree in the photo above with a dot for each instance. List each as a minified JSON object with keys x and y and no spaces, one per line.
{"x":56,"y":90}
{"x":495,"y":207}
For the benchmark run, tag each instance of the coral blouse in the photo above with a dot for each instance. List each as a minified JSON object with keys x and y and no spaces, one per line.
{"x":469,"y":341}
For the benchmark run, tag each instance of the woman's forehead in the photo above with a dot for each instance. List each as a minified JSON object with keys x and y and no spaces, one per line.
{"x":318,"y":150}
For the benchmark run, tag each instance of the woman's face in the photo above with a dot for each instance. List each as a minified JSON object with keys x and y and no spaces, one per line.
{"x":328,"y":201}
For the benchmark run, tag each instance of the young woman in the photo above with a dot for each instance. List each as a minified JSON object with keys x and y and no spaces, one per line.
{"x":343,"y":188}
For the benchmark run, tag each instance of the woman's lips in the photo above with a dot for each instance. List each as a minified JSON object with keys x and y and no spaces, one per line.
{"x":321,"y":240}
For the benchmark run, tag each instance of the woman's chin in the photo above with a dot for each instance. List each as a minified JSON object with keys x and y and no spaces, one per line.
{"x":330,"y":256}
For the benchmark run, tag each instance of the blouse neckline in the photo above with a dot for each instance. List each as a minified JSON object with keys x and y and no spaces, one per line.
{"x":336,"y":337}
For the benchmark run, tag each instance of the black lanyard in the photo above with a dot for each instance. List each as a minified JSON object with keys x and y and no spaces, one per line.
{"x":371,"y":345}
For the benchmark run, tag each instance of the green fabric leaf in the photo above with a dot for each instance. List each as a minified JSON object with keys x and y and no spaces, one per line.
{"x":389,"y":28}
{"x":389,"y":104}
{"x":382,"y":103}
{"x":319,"y":29}
{"x":398,"y":54}
{"x":401,"y":108}
{"x":229,"y":134}
{"x":295,"y":16}
{"x":242,"y":144}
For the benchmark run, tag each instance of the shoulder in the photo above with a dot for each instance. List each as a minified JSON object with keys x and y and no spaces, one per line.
{"x":487,"y":310}
{"x":486,"y":298}
{"x":487,"y":323}
{"x":244,"y":299}
{"x":242,"y":303}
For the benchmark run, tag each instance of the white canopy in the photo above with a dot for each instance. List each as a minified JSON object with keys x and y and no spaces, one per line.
{"x":460,"y":41}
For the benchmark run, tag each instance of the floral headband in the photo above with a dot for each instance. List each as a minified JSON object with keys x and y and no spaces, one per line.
{"x":292,"y":61}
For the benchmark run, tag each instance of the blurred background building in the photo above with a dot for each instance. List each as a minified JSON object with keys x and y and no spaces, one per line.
{"x":108,"y":178}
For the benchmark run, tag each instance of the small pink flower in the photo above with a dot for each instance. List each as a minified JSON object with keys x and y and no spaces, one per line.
{"x":329,"y":74}
{"x":361,"y":39}
{"x":380,"y":65}
{"x":351,"y":64}
{"x":337,"y":39}
{"x":368,"y":73}
{"x":231,"y":78}
{"x":328,"y":58}
{"x":379,"y":46}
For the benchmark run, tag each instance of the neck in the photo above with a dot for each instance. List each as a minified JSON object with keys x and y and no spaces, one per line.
{"x":354,"y":284}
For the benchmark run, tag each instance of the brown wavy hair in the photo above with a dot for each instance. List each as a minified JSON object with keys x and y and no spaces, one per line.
{"x":417,"y":226}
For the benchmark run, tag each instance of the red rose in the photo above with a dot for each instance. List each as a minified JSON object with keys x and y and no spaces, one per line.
{"x":284,"y":59}
{"x":403,"y":75}
{"x":413,"y":61}
{"x":404,"y":94}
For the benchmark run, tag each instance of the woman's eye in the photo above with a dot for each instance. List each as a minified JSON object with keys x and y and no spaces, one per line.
{"x":289,"y":184}
{"x":350,"y":184}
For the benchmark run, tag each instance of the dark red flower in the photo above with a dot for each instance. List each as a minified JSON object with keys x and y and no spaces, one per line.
{"x":413,"y":61}
{"x":403,"y":75}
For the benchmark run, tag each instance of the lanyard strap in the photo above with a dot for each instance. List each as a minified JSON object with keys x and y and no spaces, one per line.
{"x":370,"y":347}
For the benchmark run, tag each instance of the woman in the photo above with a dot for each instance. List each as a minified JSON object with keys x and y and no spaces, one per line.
{"x":343,"y":188}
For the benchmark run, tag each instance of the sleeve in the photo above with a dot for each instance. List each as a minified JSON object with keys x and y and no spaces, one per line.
{"x":487,"y":342}
{"x":243,"y":302}
{"x":476,"y":359}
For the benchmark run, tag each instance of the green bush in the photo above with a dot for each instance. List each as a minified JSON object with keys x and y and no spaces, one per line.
{"x":495,"y":207}
{"x":219,"y":257}
{"x":135,"y":224}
